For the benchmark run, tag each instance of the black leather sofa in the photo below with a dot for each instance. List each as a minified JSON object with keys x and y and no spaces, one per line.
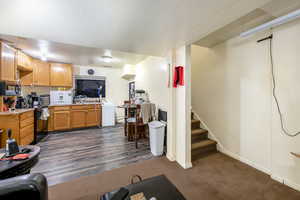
{"x":31,"y":186}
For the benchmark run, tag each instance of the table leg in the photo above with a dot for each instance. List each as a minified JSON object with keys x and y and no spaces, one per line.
{"x":125,"y":122}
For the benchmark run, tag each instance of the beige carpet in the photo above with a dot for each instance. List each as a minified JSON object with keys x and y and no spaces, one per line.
{"x":215,"y":177}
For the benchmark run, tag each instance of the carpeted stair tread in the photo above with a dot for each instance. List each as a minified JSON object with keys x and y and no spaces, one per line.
{"x":195,"y":121}
{"x":195,"y":124}
{"x":203,"y":144}
{"x":198,"y":131}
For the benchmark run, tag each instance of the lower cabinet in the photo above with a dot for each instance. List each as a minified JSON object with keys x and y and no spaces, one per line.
{"x":78,"y":118}
{"x":92,"y":118}
{"x":61,"y":120}
{"x":22,"y":126}
{"x":75,"y":116}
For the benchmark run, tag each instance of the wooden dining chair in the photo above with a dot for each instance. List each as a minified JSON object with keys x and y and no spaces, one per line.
{"x":126,"y":116}
{"x":136,"y":126}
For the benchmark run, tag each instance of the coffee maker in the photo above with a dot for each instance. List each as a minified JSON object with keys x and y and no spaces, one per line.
{"x":21,"y":103}
{"x":33,"y":100}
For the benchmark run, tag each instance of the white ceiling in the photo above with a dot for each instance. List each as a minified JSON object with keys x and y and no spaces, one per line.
{"x":150,"y":27}
{"x":256,"y":17}
{"x":66,"y":53}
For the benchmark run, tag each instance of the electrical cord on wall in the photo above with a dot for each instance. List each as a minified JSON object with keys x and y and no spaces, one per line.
{"x":284,"y":130}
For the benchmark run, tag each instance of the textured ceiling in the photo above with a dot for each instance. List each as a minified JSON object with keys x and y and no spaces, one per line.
{"x":150,"y":27}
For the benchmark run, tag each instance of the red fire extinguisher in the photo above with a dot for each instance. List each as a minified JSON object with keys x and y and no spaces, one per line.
{"x":178,"y":76}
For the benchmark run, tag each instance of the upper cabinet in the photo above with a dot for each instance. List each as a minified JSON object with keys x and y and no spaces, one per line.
{"x":41,"y":73}
{"x":7,"y":63}
{"x":32,"y":71}
{"x":40,"y":76}
{"x":61,"y":75}
{"x":24,"y":62}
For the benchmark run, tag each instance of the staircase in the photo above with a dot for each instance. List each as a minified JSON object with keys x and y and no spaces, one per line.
{"x":201,"y":144}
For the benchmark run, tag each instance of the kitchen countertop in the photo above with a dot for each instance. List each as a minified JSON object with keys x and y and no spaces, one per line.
{"x":76,"y":104}
{"x":16,"y":112}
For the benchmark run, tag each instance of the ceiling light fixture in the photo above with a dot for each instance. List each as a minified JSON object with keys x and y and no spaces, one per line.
{"x":276,"y":22}
{"x":43,"y":56}
{"x":107,"y":59}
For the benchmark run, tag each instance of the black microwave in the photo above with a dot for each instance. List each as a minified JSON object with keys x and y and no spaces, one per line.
{"x":9,"y":90}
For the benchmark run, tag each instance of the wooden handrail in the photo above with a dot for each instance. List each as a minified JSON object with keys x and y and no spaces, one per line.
{"x":295,"y":154}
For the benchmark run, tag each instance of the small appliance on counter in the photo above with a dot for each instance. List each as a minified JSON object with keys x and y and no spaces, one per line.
{"x":8,"y":103}
{"x":21,"y":103}
{"x":141,"y":96}
{"x":9,"y":90}
{"x":33,"y":100}
{"x":61,"y":97}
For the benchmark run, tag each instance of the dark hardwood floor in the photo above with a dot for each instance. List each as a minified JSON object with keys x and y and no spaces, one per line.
{"x":69,"y":155}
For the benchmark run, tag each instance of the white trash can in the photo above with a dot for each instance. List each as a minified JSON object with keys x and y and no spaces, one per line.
{"x":157,"y":136}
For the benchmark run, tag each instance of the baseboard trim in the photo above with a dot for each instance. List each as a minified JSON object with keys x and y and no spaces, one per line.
{"x":186,"y":165}
{"x":286,"y":182}
{"x":170,"y":157}
{"x":277,"y":178}
{"x":244,"y":160}
{"x":222,"y":149}
{"x":291,"y":184}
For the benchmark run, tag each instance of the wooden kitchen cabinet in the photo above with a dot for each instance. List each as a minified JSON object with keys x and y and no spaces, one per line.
{"x":39,"y":76}
{"x":7,"y":63}
{"x":22,"y":126}
{"x":74,"y":116}
{"x":61,"y":120}
{"x":26,"y":78}
{"x":25,"y":67}
{"x":41,"y":73}
{"x":12,"y":122}
{"x":61,"y":75}
{"x":50,"y":119}
{"x":78,"y":118}
{"x":26,"y":134}
{"x":24,"y":62}
{"x":93,"y":118}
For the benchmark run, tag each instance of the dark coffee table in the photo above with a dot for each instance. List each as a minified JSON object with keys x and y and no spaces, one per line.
{"x":159,"y":187}
{"x":10,"y":168}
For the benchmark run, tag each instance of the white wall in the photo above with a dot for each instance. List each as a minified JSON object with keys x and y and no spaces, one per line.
{"x":116,"y":87}
{"x":182,"y":109}
{"x":152,"y":76}
{"x":231,"y":92}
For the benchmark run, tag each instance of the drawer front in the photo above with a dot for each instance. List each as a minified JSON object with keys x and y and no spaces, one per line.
{"x":26,"y":115}
{"x":80,"y":107}
{"x":26,"y":140}
{"x":26,"y":131}
{"x":97,"y":106}
{"x":92,"y":106}
{"x":59,"y":108}
{"x":26,"y":122}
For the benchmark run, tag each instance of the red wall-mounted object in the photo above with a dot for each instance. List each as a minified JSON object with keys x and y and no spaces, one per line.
{"x":178,"y":76}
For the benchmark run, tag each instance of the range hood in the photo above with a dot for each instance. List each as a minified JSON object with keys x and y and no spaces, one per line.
{"x":128,"y":72}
